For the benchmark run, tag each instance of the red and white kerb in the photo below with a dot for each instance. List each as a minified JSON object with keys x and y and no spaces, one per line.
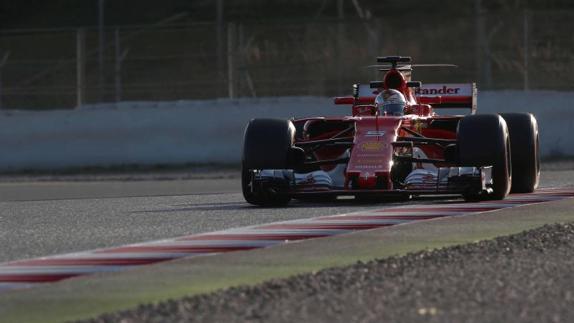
{"x":31,"y":272}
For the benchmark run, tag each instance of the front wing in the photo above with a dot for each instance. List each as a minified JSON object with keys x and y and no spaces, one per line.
{"x":445,"y":180}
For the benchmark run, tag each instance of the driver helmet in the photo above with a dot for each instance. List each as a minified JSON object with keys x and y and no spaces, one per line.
{"x":391,"y":102}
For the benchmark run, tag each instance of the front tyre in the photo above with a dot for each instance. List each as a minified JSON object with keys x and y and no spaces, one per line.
{"x":260,"y":196}
{"x":267,"y":144}
{"x":483,"y":140}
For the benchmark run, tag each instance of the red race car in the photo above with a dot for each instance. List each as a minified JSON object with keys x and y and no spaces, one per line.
{"x":393,"y":145}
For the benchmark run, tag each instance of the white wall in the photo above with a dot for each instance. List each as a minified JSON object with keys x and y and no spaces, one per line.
{"x":553,"y":110}
{"x":208,"y":131}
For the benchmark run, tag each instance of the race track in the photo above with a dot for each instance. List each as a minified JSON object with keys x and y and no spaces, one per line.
{"x":53,"y":217}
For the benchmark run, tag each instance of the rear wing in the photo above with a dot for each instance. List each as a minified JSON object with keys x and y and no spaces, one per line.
{"x":457,"y":95}
{"x":438,"y":95}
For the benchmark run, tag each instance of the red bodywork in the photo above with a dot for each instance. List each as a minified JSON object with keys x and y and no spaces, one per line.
{"x":370,"y":162}
{"x":370,"y":136}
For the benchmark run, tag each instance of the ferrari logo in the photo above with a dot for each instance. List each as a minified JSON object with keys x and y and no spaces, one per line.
{"x":418,"y":125}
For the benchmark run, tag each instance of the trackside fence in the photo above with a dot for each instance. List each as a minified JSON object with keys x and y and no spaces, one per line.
{"x":67,"y":68}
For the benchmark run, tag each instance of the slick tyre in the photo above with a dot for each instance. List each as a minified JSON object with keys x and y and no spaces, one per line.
{"x":483,"y":140}
{"x":524,"y":147}
{"x":266,"y":145}
{"x":257,"y":196}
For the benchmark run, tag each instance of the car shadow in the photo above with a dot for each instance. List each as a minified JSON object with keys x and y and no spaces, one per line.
{"x":297,"y":204}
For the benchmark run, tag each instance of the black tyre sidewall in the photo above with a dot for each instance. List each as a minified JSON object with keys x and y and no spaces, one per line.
{"x":524,"y":143}
{"x":483,"y":140}
{"x":266,"y":145}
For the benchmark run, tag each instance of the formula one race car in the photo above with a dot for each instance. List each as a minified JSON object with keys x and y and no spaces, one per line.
{"x":393,"y":145}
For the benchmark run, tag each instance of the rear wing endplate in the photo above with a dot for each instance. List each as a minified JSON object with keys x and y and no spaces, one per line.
{"x":450,"y":95}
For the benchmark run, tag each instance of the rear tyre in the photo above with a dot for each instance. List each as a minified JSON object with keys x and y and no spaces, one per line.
{"x":524,"y":147}
{"x":266,"y":145}
{"x":483,"y":140}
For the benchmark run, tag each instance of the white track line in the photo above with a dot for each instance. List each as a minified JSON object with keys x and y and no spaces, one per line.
{"x":13,"y":275}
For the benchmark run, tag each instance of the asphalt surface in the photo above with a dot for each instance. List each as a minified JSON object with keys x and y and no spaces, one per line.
{"x":525,"y":277}
{"x":40,"y":218}
{"x":38,"y":228}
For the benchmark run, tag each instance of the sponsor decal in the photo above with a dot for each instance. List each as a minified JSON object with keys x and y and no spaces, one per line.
{"x":370,"y":163}
{"x":375,"y":155}
{"x":369,"y":167}
{"x":375,"y":133}
{"x":371,"y":146}
{"x":439,"y":90}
